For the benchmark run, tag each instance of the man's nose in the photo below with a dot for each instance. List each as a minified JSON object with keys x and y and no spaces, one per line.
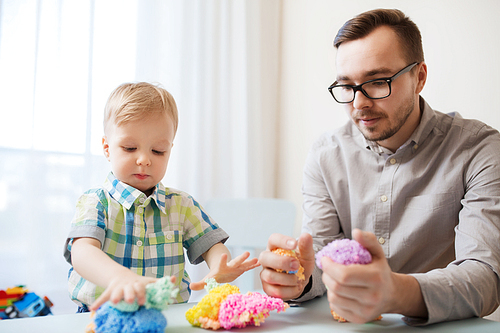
{"x":361,"y":101}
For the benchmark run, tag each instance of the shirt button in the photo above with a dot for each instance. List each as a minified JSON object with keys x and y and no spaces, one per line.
{"x":141,"y":200}
{"x":139,"y":243}
{"x":383,"y":198}
{"x":393,"y":161}
{"x":139,"y":210}
{"x":169,"y":236}
{"x":381,"y":240}
{"x":415,"y":146}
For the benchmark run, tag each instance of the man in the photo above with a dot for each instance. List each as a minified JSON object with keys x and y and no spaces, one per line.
{"x":422,"y":187}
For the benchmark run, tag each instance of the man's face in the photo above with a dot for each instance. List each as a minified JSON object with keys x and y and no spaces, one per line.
{"x":389,"y":121}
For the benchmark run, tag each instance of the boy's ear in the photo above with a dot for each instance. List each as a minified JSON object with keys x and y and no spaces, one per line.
{"x":105,"y":147}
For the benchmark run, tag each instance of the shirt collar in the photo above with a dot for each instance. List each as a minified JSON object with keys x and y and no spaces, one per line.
{"x":127,"y":195}
{"x":427,"y":123}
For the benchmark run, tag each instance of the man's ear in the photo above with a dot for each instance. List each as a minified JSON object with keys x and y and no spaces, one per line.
{"x":421,"y":76}
{"x":105,"y":147}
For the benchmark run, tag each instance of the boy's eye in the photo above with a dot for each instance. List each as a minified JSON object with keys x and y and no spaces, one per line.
{"x":157,"y":152}
{"x":129,"y":149}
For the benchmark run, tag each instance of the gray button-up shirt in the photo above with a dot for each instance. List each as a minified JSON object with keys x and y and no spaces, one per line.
{"x":434,"y":205}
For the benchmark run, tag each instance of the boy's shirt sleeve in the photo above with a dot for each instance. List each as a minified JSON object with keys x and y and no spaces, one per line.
{"x":89,"y":220}
{"x":200,"y":231}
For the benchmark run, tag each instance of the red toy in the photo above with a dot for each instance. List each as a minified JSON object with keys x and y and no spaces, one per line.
{"x":18,"y":302}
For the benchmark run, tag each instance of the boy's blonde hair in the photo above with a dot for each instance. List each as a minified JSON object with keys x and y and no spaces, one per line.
{"x":135,"y":101}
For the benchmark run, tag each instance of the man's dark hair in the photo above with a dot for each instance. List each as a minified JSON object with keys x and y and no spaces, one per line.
{"x":363,"y":24}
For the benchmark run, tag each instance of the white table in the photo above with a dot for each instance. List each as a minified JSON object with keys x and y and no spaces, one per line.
{"x":311,"y":317}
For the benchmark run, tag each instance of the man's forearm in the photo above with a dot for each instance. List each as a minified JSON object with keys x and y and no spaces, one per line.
{"x":407,"y":298}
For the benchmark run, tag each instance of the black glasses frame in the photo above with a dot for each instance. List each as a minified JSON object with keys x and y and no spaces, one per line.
{"x":359,"y":87}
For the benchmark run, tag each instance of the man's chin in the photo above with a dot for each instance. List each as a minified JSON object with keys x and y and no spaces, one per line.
{"x":369,"y":134}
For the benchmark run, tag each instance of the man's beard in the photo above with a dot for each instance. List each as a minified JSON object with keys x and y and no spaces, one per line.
{"x":402,"y":115}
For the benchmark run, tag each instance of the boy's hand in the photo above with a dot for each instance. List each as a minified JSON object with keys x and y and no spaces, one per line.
{"x":97,"y":267}
{"x":224,"y":272}
{"x":128,"y":287}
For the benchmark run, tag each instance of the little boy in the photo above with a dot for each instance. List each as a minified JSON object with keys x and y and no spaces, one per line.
{"x":132,"y":230}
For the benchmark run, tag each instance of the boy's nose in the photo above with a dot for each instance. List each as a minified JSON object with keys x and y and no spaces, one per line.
{"x":143,"y":159}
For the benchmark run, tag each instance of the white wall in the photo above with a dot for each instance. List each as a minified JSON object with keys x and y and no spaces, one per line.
{"x":461,"y":48}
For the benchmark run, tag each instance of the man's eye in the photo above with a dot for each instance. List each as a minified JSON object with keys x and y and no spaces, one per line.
{"x":379,"y":83}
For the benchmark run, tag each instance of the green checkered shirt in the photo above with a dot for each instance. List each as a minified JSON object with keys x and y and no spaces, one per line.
{"x":145,"y":234}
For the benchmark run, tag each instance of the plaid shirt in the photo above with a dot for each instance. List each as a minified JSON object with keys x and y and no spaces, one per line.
{"x":145,"y":234}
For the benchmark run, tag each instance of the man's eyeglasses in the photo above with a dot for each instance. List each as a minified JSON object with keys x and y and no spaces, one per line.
{"x":373,"y":89}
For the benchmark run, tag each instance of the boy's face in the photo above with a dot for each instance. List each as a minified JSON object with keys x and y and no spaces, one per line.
{"x":139,"y":150}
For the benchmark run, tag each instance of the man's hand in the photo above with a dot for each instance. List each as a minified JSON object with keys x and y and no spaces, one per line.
{"x":360,"y":293}
{"x":224,"y":272}
{"x":283,"y":285}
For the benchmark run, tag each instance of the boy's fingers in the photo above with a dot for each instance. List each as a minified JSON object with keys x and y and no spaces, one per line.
{"x":99,"y":301}
{"x":239,"y":259}
{"x":223,"y":258}
{"x":140,"y":293}
{"x":129,"y":294}
{"x":254,"y":262}
{"x":242,"y":257}
{"x":250,"y":264}
{"x":197,"y":285}
{"x":116,"y":295}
